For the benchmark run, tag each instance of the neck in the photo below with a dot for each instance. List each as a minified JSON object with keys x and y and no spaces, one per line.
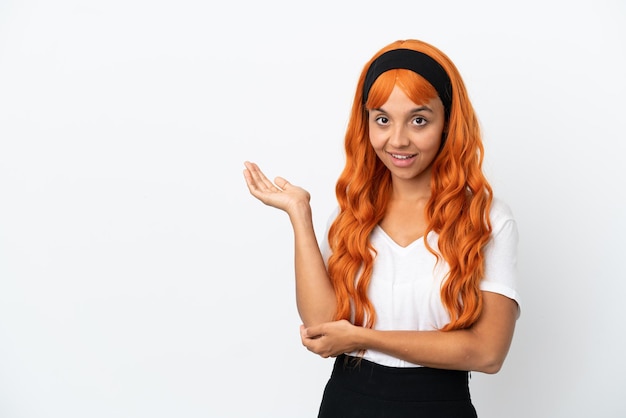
{"x":411,"y":191}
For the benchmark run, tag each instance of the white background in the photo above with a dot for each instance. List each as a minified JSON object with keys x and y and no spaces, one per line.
{"x":138,"y":278}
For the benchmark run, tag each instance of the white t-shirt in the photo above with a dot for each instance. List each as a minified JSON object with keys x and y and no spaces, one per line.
{"x":406,"y":281}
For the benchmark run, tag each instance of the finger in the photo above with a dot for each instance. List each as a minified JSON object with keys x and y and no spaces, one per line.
{"x":258,"y":180}
{"x":256,"y":175}
{"x":251,"y":183}
{"x":313,"y":332}
{"x":249,"y":180}
{"x":250,"y":167}
{"x":310,"y":345}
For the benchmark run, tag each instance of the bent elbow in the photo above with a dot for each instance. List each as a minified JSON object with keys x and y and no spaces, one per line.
{"x":491,"y":365}
{"x":491,"y":368}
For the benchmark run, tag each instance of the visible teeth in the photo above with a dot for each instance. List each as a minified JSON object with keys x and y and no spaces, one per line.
{"x":402,"y":157}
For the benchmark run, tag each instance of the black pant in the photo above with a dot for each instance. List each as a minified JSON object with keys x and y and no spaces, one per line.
{"x":368,"y":390}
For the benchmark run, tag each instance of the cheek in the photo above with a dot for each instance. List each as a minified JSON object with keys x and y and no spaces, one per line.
{"x":377,"y":137}
{"x":435,"y":144}
{"x":375,"y":140}
{"x":432,"y":141}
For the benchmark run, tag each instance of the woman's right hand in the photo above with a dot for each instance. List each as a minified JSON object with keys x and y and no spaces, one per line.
{"x":280,"y":194}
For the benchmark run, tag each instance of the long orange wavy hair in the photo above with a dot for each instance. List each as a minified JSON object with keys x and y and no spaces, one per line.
{"x":457,"y":210}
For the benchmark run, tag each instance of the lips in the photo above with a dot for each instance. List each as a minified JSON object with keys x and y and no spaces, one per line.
{"x":402,"y":156}
{"x":401,"y":159}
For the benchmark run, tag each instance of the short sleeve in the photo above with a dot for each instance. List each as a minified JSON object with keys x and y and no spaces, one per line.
{"x":501,"y":254}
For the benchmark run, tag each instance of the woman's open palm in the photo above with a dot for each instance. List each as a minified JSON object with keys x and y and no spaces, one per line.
{"x":280,"y":194}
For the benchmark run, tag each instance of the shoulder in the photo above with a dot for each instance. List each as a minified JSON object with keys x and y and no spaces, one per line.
{"x":503,"y":224}
{"x":500,"y":213}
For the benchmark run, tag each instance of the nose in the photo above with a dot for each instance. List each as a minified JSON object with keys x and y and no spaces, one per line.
{"x":399,"y":137}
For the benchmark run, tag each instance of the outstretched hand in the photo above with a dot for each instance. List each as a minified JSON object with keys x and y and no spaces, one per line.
{"x":280,"y":194}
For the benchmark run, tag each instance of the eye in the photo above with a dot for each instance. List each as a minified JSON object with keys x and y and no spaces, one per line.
{"x":419,"y":121}
{"x":381,"y":120}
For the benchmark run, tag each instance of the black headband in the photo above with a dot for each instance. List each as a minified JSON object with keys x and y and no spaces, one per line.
{"x":415,"y":61}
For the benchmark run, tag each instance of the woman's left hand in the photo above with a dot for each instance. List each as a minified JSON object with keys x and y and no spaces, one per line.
{"x":331,"y":338}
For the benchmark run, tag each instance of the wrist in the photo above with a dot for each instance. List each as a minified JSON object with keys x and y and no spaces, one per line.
{"x":300,"y":211}
{"x":359,"y":338}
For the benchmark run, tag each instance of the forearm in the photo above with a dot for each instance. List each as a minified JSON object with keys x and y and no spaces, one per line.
{"x":315,"y":296}
{"x":482,"y":347}
{"x":457,"y":350}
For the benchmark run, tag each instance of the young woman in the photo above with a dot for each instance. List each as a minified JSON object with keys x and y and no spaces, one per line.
{"x":415,"y":283}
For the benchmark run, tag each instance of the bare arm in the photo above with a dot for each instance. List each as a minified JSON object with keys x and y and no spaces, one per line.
{"x":483,"y":347}
{"x":315,"y":297}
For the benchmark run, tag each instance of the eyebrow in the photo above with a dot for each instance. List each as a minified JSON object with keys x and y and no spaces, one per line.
{"x":417,"y":109}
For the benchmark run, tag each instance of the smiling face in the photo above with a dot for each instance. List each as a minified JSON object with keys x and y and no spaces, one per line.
{"x":407,"y":136}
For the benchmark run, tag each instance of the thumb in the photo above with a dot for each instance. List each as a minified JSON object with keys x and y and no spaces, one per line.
{"x":281,"y":182}
{"x":312,"y":332}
